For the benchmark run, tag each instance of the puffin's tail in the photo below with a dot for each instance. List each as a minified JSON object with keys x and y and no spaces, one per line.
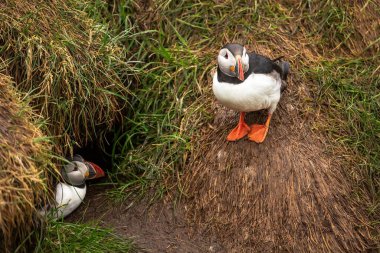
{"x":285,"y":69}
{"x":284,"y":66}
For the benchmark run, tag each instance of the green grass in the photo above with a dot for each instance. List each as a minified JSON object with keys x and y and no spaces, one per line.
{"x":71,"y":237}
{"x":348,"y":94}
{"x":165,"y":116}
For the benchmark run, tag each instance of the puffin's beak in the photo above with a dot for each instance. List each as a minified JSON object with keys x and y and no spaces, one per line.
{"x":94,"y":171}
{"x":240,"y":73}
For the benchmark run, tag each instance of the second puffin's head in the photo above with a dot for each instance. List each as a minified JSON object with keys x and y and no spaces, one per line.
{"x":233,"y":60}
{"x":77,"y":172}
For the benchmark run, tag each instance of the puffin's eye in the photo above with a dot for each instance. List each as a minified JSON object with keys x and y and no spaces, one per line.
{"x":226,"y":56}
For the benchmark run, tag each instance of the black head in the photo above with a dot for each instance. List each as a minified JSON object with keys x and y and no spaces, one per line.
{"x":235,"y":49}
{"x":233,"y":60}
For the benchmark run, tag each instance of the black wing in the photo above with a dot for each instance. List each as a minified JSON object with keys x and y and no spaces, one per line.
{"x":263,"y":65}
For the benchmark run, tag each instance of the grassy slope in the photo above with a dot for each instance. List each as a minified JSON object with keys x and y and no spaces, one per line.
{"x":333,"y":46}
{"x":175,"y":43}
{"x":165,"y":102}
{"x":350,"y":100}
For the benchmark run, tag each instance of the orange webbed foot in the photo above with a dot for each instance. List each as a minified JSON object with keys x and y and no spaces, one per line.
{"x":259,"y":132}
{"x":238,"y":132}
{"x":241,"y":130}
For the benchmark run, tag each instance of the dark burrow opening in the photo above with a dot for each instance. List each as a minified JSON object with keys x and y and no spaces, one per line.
{"x":98,"y":152}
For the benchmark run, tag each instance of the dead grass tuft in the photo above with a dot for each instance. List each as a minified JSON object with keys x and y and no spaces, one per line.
{"x":70,"y":66}
{"x":25,"y":167}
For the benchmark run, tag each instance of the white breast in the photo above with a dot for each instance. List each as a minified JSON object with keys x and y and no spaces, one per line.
{"x":257,"y":92}
{"x":68,"y":198}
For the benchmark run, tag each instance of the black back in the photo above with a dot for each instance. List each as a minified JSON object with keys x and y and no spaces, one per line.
{"x":258,"y":64}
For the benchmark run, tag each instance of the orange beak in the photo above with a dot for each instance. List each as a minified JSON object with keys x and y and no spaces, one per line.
{"x":95,"y":171}
{"x":240,"y":70}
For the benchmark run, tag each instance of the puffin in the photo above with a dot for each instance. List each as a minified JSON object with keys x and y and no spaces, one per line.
{"x":69,"y":193}
{"x":247,"y":82}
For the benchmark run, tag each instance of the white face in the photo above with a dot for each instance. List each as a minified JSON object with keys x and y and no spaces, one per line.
{"x":228,"y":63}
{"x":245,"y":60}
{"x":75,"y":173}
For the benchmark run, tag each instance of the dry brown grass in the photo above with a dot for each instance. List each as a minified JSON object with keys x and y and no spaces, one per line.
{"x":68,"y":64}
{"x":68,"y":68}
{"x":25,"y":167}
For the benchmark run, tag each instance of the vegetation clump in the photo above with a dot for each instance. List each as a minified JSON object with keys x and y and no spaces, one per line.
{"x":71,"y":67}
{"x":73,"y":75}
{"x":69,"y":237}
{"x":26,"y":166}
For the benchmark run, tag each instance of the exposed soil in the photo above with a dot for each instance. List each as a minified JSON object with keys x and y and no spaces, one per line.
{"x":154,"y":228}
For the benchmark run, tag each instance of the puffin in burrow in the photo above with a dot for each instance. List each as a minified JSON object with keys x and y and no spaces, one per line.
{"x":248,"y":82}
{"x":70,"y":192}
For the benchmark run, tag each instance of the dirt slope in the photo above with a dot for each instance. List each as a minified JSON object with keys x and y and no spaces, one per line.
{"x":157,"y":228}
{"x":285,"y":195}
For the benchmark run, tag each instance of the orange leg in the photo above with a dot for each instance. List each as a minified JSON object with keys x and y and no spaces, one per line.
{"x":240,"y":130}
{"x":259,"y":132}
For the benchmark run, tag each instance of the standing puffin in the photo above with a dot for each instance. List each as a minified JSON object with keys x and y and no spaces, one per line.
{"x":248,"y":82}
